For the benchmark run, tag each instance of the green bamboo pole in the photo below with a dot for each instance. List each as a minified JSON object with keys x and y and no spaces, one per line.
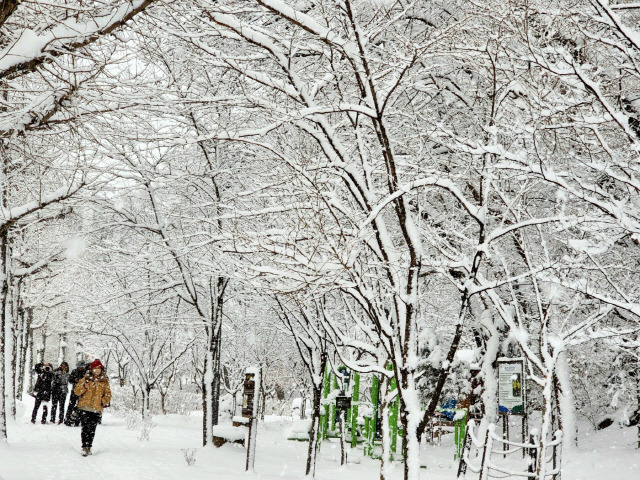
{"x":332,"y":422}
{"x":354,"y":409}
{"x":393,"y":418}
{"x":325,"y":417}
{"x":375,"y":385}
{"x":459,"y":436}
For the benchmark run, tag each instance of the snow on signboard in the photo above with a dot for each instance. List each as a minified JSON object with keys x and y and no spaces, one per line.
{"x":511,"y":388}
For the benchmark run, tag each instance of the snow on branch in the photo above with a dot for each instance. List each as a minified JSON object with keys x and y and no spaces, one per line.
{"x":11,"y":215}
{"x":31,"y":49}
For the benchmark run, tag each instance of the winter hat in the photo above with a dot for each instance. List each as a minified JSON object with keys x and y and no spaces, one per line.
{"x":81,"y":364}
{"x":97,"y":364}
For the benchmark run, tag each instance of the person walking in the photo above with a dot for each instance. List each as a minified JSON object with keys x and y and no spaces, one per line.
{"x":75,"y":376}
{"x":59,"y":391}
{"x":42,"y":390}
{"x":94,"y":394}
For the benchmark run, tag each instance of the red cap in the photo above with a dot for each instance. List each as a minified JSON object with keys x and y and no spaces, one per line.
{"x":97,"y":364}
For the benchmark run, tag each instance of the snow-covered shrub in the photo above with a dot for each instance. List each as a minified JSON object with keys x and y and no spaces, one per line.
{"x":181,"y":402}
{"x":146,"y":425}
{"x":189,"y":455}
{"x":133,"y":419}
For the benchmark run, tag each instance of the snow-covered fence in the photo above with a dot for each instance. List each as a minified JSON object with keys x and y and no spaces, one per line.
{"x":488,"y":468}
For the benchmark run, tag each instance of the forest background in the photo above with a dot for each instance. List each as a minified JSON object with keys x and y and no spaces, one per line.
{"x":194,"y":187}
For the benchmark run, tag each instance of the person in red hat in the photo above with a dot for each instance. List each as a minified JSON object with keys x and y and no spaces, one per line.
{"x":94,"y":394}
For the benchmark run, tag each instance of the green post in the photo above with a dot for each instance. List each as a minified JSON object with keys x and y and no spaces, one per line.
{"x":393,"y":418}
{"x":367,"y":436}
{"x":459,"y":435}
{"x":325,"y":417}
{"x":375,"y":385}
{"x":354,"y":409}
{"x":333,"y":404}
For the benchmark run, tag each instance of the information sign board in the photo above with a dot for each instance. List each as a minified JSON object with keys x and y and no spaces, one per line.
{"x":343,"y":403}
{"x":248,"y":395}
{"x":511,"y":386}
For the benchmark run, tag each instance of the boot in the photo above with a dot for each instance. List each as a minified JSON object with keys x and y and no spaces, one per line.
{"x":86,"y":451}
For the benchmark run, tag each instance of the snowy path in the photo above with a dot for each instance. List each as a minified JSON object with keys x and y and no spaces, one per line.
{"x":43,"y":452}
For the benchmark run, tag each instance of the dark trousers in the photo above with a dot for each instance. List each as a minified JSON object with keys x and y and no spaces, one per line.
{"x":89,"y":422}
{"x":36,"y":406}
{"x":73,"y":400}
{"x":58,"y":399}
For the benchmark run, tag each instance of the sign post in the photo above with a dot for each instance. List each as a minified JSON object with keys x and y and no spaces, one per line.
{"x":250,"y":400}
{"x":512,"y":394}
{"x":342,"y":405}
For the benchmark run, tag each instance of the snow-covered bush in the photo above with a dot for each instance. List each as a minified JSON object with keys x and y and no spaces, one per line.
{"x":146,"y":425}
{"x":189,"y":455}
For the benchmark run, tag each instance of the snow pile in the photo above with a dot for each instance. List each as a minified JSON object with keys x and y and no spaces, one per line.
{"x":75,"y":248}
{"x":230,"y":433}
{"x":240,"y":419}
{"x":299,"y":430}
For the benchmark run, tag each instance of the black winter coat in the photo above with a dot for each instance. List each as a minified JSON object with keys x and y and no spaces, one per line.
{"x":43,"y":386}
{"x":74,"y":377}
{"x":60,"y":384}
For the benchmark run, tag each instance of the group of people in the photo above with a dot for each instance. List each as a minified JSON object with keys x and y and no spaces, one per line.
{"x":89,"y":395}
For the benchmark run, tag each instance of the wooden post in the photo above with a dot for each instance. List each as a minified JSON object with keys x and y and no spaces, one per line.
{"x":557,"y":459}
{"x":250,"y":401}
{"x":505,"y":434}
{"x":343,"y":453}
{"x":486,"y":453}
{"x":533,"y":454}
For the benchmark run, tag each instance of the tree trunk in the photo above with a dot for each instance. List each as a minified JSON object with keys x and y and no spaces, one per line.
{"x":3,"y":337}
{"x":22,"y":345}
{"x":8,"y":331}
{"x":212,"y":372}
{"x":566,"y":404}
{"x":135,"y":396}
{"x":489,"y":377}
{"x":303,"y":406}
{"x":146,"y":404}
{"x":25,"y":368}
{"x":312,"y":450}
{"x":263,"y":401}
{"x":26,"y":361}
{"x":207,"y":395}
{"x":547,"y":393}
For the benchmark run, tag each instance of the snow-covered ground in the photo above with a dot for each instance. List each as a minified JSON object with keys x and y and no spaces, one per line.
{"x":41,"y":452}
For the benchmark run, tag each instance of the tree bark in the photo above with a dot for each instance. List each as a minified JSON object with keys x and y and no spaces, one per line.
{"x":3,"y":330}
{"x":211,"y":377}
{"x":312,"y":450}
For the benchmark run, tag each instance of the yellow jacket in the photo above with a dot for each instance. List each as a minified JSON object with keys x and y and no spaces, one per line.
{"x":96,"y":395}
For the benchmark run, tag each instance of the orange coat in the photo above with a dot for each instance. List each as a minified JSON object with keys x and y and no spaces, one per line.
{"x":96,"y":395}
